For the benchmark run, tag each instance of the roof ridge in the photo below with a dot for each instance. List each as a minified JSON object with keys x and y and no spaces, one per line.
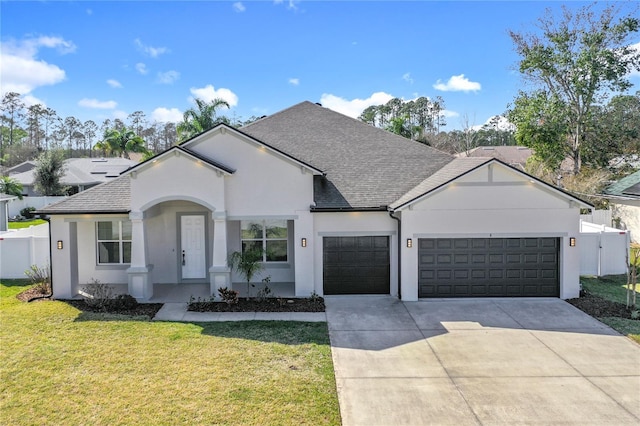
{"x":275,"y":114}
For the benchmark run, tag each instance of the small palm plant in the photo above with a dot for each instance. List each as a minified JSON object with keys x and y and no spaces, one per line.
{"x":247,"y":263}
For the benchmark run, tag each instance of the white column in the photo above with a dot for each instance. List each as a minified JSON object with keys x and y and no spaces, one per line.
{"x":140,"y":285}
{"x":219,"y":272}
{"x":304,"y":256}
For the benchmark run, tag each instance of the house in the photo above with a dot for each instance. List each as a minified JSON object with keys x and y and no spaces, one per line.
{"x":624,"y":198}
{"x":79,"y":173}
{"x":515,"y":156}
{"x":338,"y":206}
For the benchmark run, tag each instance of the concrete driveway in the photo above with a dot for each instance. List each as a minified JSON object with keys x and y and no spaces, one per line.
{"x":489,"y":361}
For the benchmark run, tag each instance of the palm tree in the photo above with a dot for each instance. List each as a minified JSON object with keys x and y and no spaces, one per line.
{"x":200,"y":119}
{"x":121,"y":142}
{"x":10,"y":186}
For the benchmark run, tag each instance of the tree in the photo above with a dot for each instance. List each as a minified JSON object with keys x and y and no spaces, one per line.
{"x":576,"y":62}
{"x":10,"y":186}
{"x":13,"y":109}
{"x":200,"y":119}
{"x":49,"y":172}
{"x":121,"y":142}
{"x":247,"y":263}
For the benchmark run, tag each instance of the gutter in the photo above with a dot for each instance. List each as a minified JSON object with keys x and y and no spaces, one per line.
{"x":47,"y":296}
{"x":399,"y":252}
{"x":347,"y":209}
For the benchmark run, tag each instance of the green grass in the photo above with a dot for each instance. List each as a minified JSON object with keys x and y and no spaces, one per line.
{"x":61,"y":366}
{"x":614,"y":288}
{"x":26,"y":223}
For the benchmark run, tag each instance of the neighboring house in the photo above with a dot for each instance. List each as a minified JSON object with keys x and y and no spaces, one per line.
{"x":4,"y":211}
{"x":624,"y":197}
{"x":515,"y":156}
{"x":79,"y":174}
{"x":340,"y":207}
{"x":25,"y":166}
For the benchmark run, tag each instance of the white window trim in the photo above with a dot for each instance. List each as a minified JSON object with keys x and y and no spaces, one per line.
{"x":120,"y":242}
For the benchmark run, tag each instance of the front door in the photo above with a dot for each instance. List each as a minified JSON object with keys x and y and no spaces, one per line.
{"x":192,"y":245}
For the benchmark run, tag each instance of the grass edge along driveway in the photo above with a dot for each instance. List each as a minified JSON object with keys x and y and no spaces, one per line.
{"x":61,"y":366}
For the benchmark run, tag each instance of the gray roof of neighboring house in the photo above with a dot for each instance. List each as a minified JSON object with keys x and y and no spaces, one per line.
{"x":110,"y":197}
{"x":22,"y":167}
{"x":512,"y":155}
{"x":7,"y":197}
{"x":84,"y":171}
{"x":365,"y":167}
{"x":628,"y":186}
{"x":449,"y":172}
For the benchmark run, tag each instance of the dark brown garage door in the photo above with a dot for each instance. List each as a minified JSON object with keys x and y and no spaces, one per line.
{"x":356,"y":265}
{"x":488,"y":267}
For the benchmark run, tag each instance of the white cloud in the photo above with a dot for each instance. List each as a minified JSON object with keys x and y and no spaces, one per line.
{"x":94,"y":103}
{"x":154,"y":52}
{"x":166,"y":115}
{"x":168,"y":77}
{"x":635,"y":72}
{"x":457,"y":83}
{"x":291,"y":4}
{"x":30,"y":100}
{"x":89,"y":12}
{"x":142,"y":68}
{"x":294,"y":81}
{"x":449,"y":114}
{"x":20,"y":69}
{"x":354,"y":107}
{"x":209,"y":93}
{"x":114,"y":83}
{"x":122,"y":115}
{"x":407,"y":77}
{"x":239,"y":7}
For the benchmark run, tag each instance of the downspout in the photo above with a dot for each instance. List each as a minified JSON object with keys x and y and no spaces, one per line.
{"x":47,"y":296}
{"x":399,"y":254}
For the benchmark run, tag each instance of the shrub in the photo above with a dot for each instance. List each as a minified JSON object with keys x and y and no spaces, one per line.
{"x":40,"y":278}
{"x":122,"y":302}
{"x":97,"y":295}
{"x":27,"y":212}
{"x":230,"y":297}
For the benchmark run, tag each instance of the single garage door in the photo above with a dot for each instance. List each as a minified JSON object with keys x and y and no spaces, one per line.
{"x":488,"y":267}
{"x":356,"y":265}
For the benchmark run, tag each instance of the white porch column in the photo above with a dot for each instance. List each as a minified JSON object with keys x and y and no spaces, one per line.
{"x":219,"y":272}
{"x":304,"y":256}
{"x":140,"y":285}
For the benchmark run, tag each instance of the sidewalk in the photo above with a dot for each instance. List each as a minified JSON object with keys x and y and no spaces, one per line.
{"x":178,"y":312}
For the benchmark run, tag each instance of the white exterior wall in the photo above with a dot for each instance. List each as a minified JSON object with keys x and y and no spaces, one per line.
{"x":354,"y":224}
{"x":61,"y":260}
{"x":501,"y":204}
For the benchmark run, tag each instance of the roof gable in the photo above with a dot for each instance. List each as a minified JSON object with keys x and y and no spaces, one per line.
{"x":178,"y":150}
{"x":365,"y":167}
{"x":461,"y":167}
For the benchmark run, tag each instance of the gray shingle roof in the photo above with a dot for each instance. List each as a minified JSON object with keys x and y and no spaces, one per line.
{"x":449,"y":172}
{"x":110,"y":197}
{"x":365,"y":167}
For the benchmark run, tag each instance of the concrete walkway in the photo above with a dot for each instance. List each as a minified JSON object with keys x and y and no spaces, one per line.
{"x":470,"y":362}
{"x":178,"y":312}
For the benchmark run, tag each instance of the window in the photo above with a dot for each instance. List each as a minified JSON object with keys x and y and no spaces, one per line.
{"x":114,"y":242}
{"x":268,"y":236}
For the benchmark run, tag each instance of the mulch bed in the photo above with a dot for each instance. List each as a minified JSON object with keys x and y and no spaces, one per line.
{"x":267,"y":305}
{"x":32,"y":293}
{"x":141,"y":309}
{"x":598,"y":307}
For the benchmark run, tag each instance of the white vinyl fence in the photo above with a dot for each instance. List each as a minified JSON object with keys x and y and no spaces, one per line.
{"x":603,"y":250}
{"x":38,"y":202}
{"x":599,"y":217}
{"x":22,"y":248}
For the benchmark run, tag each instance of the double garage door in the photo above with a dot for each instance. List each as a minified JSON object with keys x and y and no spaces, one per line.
{"x":488,"y":267}
{"x":447,"y":267}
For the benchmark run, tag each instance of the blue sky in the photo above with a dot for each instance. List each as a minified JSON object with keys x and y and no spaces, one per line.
{"x":97,"y":60}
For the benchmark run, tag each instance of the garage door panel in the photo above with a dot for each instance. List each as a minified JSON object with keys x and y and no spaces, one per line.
{"x":496,"y":267}
{"x":356,"y":265}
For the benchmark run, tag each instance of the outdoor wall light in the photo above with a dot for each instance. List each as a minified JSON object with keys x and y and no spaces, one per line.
{"x":59,"y":245}
{"x":303,"y":242}
{"x":409,"y":243}
{"x":572,"y":242}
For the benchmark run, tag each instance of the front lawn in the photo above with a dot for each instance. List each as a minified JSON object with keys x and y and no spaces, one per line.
{"x":62,"y":366}
{"x":613,"y":288}
{"x":26,"y":223}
